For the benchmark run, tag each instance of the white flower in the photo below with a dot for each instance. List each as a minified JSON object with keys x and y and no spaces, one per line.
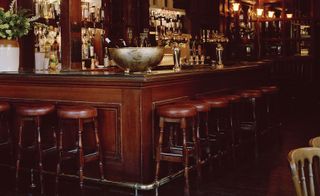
{"x":4,"y":26}
{"x":9,"y":32}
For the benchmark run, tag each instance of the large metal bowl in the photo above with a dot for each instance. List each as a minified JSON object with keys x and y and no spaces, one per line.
{"x":137,"y":59}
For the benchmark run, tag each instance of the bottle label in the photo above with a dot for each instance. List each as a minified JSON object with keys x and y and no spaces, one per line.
{"x":106,"y":61}
{"x":91,"y":51}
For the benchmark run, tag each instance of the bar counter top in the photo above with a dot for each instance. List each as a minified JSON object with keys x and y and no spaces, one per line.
{"x":120,"y":78}
{"x":127,"y":104}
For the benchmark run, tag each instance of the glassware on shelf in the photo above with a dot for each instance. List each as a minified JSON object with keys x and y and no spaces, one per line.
{"x":48,"y":43}
{"x":92,"y":12}
{"x":91,"y":56}
{"x":47,"y":9}
{"x":85,"y":11}
{"x":166,"y":24}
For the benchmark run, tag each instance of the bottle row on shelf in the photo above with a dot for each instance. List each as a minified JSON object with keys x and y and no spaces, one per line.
{"x":95,"y":46}
{"x":204,"y":47}
{"x":166,"y":23}
{"x":212,"y":36}
{"x":292,"y":30}
{"x":93,"y":12}
{"x":48,"y":33}
{"x":47,"y":9}
{"x":47,"y":47}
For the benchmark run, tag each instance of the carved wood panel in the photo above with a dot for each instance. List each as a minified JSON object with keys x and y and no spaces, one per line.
{"x":110,"y":131}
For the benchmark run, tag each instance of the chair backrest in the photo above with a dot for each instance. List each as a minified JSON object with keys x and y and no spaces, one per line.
{"x":303,"y":170}
{"x":315,"y":142}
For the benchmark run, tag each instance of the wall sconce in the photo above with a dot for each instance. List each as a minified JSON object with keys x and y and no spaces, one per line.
{"x":259,"y":12}
{"x":270,"y":14}
{"x":235,"y":6}
{"x":289,"y":15}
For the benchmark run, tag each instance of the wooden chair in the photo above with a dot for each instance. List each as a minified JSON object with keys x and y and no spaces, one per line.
{"x":304,"y":170}
{"x":314,"y":142}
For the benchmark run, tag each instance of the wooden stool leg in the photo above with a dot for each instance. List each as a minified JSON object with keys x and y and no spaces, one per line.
{"x":232,"y":127}
{"x":39,"y":148}
{"x":5,"y":118}
{"x":59,"y":157}
{"x":198,"y":134}
{"x":206,"y":132}
{"x":98,"y":147}
{"x":197,"y":149}
{"x":159,"y":148}
{"x":207,"y":140}
{"x":21,"y":124}
{"x":172,"y":142}
{"x":255,"y":127}
{"x":80,"y":151}
{"x":10,"y":140}
{"x":183,"y":127}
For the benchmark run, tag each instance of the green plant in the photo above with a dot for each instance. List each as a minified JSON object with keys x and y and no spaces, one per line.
{"x":14,"y":23}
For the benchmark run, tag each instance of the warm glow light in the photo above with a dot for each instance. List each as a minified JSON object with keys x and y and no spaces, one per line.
{"x":289,"y":15}
{"x":259,"y":12}
{"x":236,"y":6}
{"x":270,"y":14}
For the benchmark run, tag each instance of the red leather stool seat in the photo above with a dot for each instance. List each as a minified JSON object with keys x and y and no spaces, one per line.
{"x":177,"y":111}
{"x":34,"y":109}
{"x":250,"y":94}
{"x":233,"y":98}
{"x":77,"y":112}
{"x":216,"y":102}
{"x":4,"y":106}
{"x":269,"y":89}
{"x":200,"y":105}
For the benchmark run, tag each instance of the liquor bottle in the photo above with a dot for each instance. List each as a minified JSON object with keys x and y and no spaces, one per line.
{"x":193,"y":46}
{"x":91,"y":49}
{"x":102,"y":13}
{"x":110,"y":44}
{"x":37,"y":39}
{"x":106,"y":59}
{"x":56,"y":48}
{"x":57,"y":11}
{"x":85,"y":11}
{"x":122,"y":43}
{"x":37,"y":8}
{"x":93,"y":14}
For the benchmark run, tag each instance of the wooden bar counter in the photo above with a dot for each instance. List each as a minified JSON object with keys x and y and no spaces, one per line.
{"x":127,"y":104}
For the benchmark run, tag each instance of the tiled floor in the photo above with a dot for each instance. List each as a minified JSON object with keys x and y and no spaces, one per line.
{"x":268,"y":176}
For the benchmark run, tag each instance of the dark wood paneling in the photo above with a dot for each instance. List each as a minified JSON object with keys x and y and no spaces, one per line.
{"x":110,"y":130}
{"x":4,"y":4}
{"x":62,"y":94}
{"x":27,"y":60}
{"x":131,"y":121}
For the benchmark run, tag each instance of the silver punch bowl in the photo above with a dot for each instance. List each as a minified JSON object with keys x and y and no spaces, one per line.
{"x":137,"y":59}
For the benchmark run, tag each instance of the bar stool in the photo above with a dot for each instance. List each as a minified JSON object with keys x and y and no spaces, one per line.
{"x":34,"y":113}
{"x":269,"y":92}
{"x":178,"y":114}
{"x":202,"y":128}
{"x":234,"y":105}
{"x":7,"y":140}
{"x":217,"y":132}
{"x":82,"y":115}
{"x":250,"y":98}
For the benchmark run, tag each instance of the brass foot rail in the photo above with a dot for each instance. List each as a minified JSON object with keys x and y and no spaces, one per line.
{"x":131,"y":185}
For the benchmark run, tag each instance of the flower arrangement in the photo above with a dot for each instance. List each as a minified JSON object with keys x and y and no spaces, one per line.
{"x":14,"y":23}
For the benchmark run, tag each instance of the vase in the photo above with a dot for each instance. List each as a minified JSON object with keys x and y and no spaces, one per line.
{"x":9,"y":55}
